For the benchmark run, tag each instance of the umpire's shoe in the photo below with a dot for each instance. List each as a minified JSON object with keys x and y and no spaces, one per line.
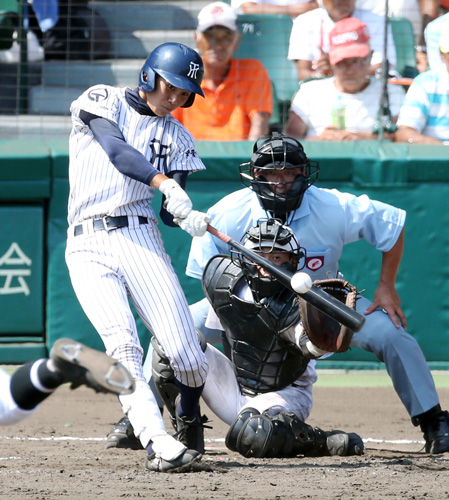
{"x":122,"y":436}
{"x":435,"y":426}
{"x":183,"y":463}
{"x":81,"y":365}
{"x":190,"y":430}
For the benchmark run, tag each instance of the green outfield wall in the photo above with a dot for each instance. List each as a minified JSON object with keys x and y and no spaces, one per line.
{"x":37,"y":303}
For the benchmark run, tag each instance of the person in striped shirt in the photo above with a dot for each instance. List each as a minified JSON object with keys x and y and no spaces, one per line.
{"x":424,"y":114}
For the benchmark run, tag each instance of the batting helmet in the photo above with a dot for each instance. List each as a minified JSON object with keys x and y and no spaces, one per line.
{"x":269,"y":236}
{"x":176,"y":63}
{"x":278,"y":152}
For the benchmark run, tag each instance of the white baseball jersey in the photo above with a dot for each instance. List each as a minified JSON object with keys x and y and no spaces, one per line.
{"x":107,"y":267}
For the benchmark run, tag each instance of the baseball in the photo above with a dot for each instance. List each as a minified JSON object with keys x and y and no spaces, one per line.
{"x":301,"y":282}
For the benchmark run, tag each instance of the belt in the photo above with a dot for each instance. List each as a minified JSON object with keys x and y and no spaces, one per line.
{"x":108,"y":223}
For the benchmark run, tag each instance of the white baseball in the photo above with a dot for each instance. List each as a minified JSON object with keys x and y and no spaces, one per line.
{"x":301,"y":282}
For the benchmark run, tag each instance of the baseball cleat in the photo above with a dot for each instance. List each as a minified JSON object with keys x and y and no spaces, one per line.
{"x":436,"y":433}
{"x":183,"y":463}
{"x":82,"y":365}
{"x":122,"y":436}
{"x":344,"y":444}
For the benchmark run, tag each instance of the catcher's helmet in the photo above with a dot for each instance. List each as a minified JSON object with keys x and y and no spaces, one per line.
{"x":269,"y":236}
{"x":278,"y":152}
{"x":177,"y":64}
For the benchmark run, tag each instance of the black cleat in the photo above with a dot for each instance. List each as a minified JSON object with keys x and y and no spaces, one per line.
{"x":122,"y":436}
{"x":436,"y":433}
{"x":183,"y":463}
{"x":82,"y":365}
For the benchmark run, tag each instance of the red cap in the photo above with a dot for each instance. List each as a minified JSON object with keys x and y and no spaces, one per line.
{"x":444,"y":4}
{"x":348,"y":38}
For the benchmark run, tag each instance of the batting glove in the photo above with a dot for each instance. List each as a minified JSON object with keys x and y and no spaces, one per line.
{"x":195,"y":223}
{"x":177,"y":201}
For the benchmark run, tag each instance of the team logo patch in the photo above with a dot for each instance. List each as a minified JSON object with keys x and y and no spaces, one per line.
{"x":98,"y":95}
{"x":193,"y":70}
{"x":314,"y":263}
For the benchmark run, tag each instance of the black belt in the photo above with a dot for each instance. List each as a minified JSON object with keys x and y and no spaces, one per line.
{"x":108,"y":223}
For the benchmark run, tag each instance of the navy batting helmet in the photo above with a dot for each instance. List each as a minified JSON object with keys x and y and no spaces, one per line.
{"x":176,"y":63}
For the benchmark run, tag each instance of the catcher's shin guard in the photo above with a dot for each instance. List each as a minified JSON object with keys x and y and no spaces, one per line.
{"x":164,"y":379}
{"x":285,"y":435}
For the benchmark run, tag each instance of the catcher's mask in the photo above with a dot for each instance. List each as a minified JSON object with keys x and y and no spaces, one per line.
{"x":278,"y":152}
{"x":269,"y":237}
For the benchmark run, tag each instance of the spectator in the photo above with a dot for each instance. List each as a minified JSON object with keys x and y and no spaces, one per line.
{"x":418,"y":12}
{"x":238,"y":102}
{"x":423,"y":117}
{"x":313,"y":106}
{"x":432,"y":35}
{"x":290,"y":8}
{"x":309,"y":40}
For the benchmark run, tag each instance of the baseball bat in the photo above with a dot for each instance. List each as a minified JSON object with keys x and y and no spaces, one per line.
{"x":320,"y":299}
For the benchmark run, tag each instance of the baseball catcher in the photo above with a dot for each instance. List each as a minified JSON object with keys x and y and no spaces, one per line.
{"x":262,"y":385}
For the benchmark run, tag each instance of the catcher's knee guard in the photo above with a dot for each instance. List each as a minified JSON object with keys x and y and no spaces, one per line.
{"x":164,"y":377}
{"x":236,"y":427}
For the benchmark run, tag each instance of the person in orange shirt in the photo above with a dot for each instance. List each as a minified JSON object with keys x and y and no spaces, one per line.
{"x":238,"y":92}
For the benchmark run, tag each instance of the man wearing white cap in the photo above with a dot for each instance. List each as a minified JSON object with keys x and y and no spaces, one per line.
{"x":423,"y":117}
{"x":238,"y":102}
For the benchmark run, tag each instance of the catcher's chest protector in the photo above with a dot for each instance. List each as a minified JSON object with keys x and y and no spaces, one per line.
{"x":263,"y":362}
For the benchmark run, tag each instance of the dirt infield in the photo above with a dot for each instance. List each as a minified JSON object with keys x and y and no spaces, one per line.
{"x":59,"y":452}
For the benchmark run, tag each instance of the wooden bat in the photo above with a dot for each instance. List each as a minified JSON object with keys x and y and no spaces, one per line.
{"x":320,"y":299}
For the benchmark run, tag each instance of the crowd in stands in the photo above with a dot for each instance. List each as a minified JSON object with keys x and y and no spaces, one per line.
{"x":338,"y":49}
{"x":241,"y":101}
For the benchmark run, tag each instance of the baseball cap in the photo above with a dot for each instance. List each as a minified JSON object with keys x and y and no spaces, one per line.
{"x":348,"y":38}
{"x":217,"y":13}
{"x":444,"y":39}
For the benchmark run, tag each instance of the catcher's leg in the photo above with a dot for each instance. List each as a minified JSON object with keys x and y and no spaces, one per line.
{"x":285,"y":435}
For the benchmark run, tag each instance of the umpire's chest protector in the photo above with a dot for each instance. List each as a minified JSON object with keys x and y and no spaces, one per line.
{"x":263,"y":362}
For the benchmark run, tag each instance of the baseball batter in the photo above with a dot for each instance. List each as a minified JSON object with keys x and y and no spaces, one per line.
{"x":70,"y":361}
{"x":279,"y":177}
{"x":125,"y":144}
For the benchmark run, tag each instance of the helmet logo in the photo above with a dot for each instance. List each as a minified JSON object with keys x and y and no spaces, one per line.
{"x":193,"y":70}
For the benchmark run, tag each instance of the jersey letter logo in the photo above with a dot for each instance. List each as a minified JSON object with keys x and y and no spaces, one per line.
{"x":193,"y":70}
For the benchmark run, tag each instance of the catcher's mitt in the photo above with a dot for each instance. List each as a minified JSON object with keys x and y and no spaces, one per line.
{"x":323,"y":331}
